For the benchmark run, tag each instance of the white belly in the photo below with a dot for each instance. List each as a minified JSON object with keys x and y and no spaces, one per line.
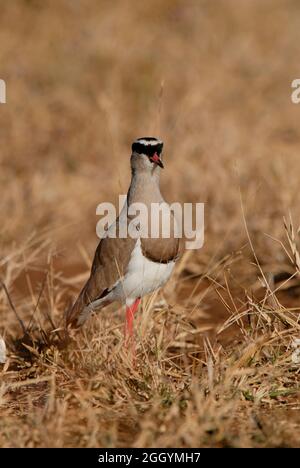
{"x":142,"y":277}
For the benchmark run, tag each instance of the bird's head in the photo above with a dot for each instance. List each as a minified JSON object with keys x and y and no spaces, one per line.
{"x":146,"y":154}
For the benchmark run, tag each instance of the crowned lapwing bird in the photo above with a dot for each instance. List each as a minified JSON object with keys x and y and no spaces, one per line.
{"x":126,"y":268}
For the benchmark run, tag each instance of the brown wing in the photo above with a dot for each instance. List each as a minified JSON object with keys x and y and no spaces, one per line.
{"x":110,"y":261}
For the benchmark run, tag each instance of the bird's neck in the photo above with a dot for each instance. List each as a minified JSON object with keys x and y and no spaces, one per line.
{"x":144,"y":187}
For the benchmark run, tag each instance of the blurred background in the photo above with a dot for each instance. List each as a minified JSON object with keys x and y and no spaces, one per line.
{"x":211,"y":78}
{"x":84,"y":78}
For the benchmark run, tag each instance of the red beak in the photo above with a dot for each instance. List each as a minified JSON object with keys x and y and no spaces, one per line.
{"x":156,"y":159}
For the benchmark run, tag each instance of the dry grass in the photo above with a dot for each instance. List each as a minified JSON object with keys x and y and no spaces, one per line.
{"x":214,"y":365}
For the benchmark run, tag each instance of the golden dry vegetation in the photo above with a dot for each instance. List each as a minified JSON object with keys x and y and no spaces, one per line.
{"x":214,"y":363}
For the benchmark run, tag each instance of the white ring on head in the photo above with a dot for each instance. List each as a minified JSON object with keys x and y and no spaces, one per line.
{"x":153,"y":142}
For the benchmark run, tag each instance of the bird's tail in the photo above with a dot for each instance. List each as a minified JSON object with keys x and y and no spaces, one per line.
{"x":84,"y":306}
{"x":76,"y":315}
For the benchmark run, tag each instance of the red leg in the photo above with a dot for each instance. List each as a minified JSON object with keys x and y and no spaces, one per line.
{"x":130,"y":311}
